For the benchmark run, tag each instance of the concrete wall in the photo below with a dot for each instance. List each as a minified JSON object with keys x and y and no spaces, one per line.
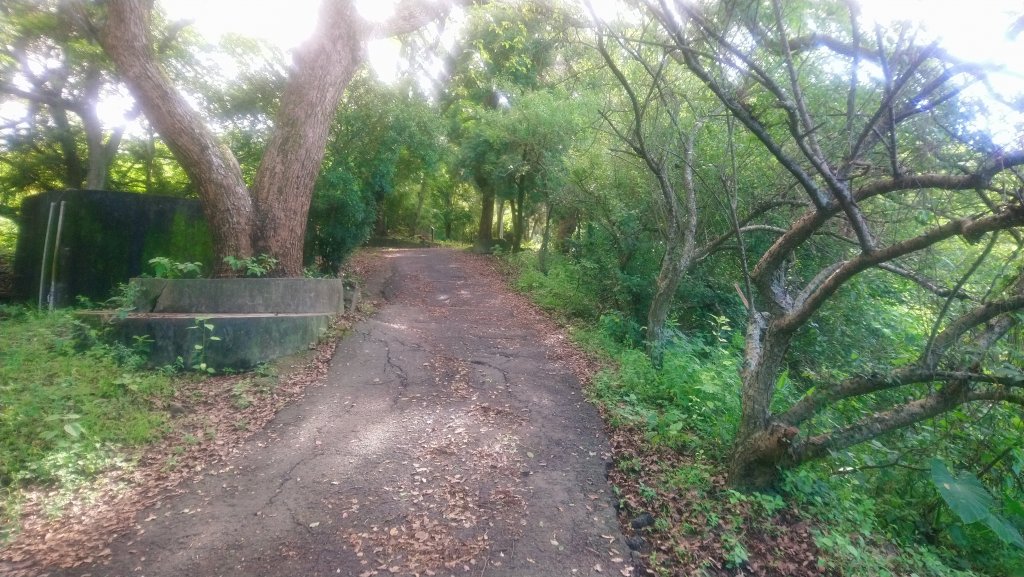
{"x":254,"y":319}
{"x":107,"y":238}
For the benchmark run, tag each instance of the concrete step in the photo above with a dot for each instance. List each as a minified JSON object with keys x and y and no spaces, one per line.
{"x":245,"y":339}
{"x":238,"y":295}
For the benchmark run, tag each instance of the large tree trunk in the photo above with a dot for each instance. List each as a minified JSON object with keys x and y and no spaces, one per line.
{"x":284,"y":183}
{"x":566,"y":228}
{"x":483,"y":236}
{"x":762,"y":444}
{"x":272,"y":219}
{"x":500,"y":224}
{"x":74,"y":171}
{"x":208,"y":163}
{"x":673,"y":267}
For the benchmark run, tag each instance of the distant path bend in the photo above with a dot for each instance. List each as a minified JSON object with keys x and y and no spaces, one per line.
{"x":446,"y":440}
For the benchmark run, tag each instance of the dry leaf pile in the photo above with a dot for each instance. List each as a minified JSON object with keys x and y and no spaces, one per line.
{"x":693,"y":542}
{"x":464,"y":485}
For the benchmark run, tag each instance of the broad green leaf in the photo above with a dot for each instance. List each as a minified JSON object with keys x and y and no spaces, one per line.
{"x":74,"y":429}
{"x":783,"y":379}
{"x":1014,"y":508}
{"x":1006,"y":532}
{"x":964,"y":494}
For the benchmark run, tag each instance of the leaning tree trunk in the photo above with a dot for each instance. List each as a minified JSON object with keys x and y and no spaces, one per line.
{"x":680,"y":246}
{"x":209,"y":164}
{"x":673,"y":267}
{"x":284,"y":182}
{"x":762,"y":445}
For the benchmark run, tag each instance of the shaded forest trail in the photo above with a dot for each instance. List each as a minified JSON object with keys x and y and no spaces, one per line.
{"x":450,"y":437}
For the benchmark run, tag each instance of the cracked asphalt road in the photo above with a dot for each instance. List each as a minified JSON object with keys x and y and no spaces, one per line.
{"x":446,"y":440}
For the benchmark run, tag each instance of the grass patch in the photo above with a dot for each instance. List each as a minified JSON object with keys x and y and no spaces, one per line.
{"x":68,"y":403}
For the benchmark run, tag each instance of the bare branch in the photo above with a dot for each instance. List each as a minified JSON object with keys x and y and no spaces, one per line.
{"x":949,"y":397}
{"x":968,"y":227}
{"x":925,"y":283}
{"x":995,"y":394}
{"x":808,"y":224}
{"x":824,"y":396}
{"x":690,"y":57}
{"x":411,"y":15}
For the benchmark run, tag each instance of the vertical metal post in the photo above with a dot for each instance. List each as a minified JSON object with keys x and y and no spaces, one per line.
{"x":46,"y":255}
{"x":56,"y":256}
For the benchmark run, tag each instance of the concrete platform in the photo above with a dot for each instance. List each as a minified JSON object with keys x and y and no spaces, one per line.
{"x":255,"y":320}
{"x":239,"y":295}
{"x":246,"y":340}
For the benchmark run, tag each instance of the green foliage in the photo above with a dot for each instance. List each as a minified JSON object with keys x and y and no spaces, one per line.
{"x":123,"y":300}
{"x":164,"y":267}
{"x":560,"y":290}
{"x":8,"y":238}
{"x":253,"y":266}
{"x":383,"y":168}
{"x":691,"y":404}
{"x":341,"y":218}
{"x":68,"y":400}
{"x":204,"y":331}
{"x":691,"y":400}
{"x":971,"y":502}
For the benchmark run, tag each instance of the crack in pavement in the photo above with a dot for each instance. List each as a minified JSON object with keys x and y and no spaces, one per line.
{"x":503,"y":372}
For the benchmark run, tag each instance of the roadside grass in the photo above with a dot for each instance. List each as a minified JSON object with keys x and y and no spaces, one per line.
{"x":88,"y":437}
{"x":68,"y":404}
{"x":671,"y":432}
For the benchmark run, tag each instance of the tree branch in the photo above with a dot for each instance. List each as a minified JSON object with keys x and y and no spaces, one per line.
{"x":807,"y":225}
{"x":925,"y":283}
{"x":968,"y":227}
{"x":949,"y":397}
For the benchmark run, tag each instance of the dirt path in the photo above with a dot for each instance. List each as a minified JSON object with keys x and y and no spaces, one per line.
{"x":446,"y":440}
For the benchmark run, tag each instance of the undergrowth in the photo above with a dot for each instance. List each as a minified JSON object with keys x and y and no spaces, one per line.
{"x":68,"y":404}
{"x":673,"y":426}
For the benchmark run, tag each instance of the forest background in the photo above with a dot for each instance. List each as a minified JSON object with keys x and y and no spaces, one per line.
{"x":792,"y":230}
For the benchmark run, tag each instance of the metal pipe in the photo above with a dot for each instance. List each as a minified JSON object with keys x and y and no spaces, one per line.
{"x":46,"y":250}
{"x":56,"y":256}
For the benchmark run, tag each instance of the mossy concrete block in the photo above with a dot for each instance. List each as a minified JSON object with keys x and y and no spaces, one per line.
{"x":106,"y":238}
{"x":239,"y":295}
{"x":243,"y":340}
